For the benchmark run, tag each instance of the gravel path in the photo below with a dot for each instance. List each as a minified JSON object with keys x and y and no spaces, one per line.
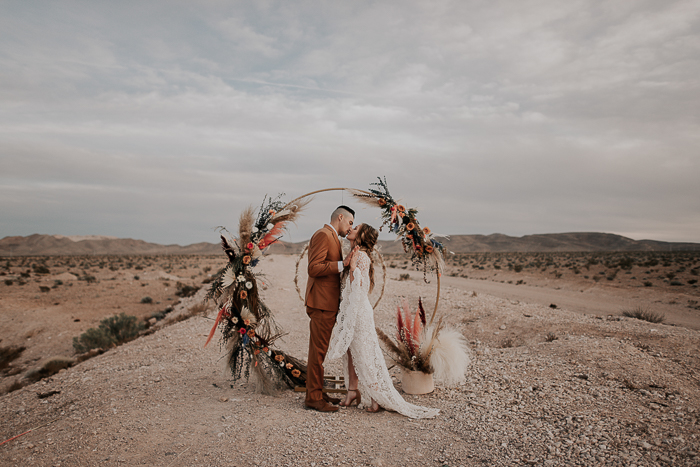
{"x":604,"y":392}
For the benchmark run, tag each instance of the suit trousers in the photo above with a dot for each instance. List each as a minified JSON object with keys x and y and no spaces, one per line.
{"x":321,"y":328}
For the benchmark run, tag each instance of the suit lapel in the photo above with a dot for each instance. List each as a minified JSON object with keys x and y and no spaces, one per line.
{"x":337,"y":240}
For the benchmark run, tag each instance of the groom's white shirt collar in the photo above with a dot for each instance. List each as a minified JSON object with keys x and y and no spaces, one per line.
{"x":336,"y":232}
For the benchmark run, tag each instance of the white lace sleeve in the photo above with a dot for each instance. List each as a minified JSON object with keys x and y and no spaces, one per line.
{"x":352,"y":299}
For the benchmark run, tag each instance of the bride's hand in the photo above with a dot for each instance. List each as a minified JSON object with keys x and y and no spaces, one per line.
{"x":348,"y":258}
{"x":353,"y":259}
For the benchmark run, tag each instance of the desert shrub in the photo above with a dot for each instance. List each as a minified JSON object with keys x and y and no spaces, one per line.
{"x":184,"y":290}
{"x":93,"y":338}
{"x":146,"y":300}
{"x":518,"y":267}
{"x":647,"y":284}
{"x":50,"y":367}
{"x":676,"y":283}
{"x":550,"y":337}
{"x":692,"y":281}
{"x":8,"y":282}
{"x":40,"y":269}
{"x":44,"y":288}
{"x":88,"y":278}
{"x":507,"y":343}
{"x":644,"y":314}
{"x":114,"y":330}
{"x":136,"y":278}
{"x":8,"y":354}
{"x":404,"y":277}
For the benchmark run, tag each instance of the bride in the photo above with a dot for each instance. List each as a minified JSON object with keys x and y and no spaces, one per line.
{"x":355,"y":339}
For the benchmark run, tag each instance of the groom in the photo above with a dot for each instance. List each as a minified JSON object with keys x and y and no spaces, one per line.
{"x":323,"y":300}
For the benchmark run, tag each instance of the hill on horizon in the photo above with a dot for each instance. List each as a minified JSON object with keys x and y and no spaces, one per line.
{"x":58,"y":245}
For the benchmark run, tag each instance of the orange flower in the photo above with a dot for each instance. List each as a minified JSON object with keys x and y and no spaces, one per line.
{"x":426,"y":231}
{"x":279,"y":357}
{"x":381,"y":202}
{"x":244,"y":294}
{"x":256,"y":351}
{"x":265,"y":349}
{"x":246,"y":322}
{"x":251,"y":333}
{"x":296,"y":373}
{"x":246,"y":259}
{"x":400,"y":208}
{"x":409,"y":227}
{"x":289,"y":366}
{"x":272,"y":212}
{"x":429,"y":249}
{"x":401,"y":214}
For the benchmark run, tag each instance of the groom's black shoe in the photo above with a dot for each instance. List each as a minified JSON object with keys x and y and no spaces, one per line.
{"x":321,"y":406}
{"x":330,"y":400}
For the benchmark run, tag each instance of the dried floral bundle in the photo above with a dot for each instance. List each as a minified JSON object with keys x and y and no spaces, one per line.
{"x":427,"y":348}
{"x":248,"y":328}
{"x":426,"y":252}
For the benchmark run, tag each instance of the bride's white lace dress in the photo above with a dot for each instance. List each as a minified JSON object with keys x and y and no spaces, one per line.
{"x":354,"y":329}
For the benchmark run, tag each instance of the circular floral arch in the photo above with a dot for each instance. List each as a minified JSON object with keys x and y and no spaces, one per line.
{"x":247,"y":324}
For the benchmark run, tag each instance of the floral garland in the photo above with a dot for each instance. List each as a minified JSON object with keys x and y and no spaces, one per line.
{"x":248,"y":328}
{"x":426,"y":252}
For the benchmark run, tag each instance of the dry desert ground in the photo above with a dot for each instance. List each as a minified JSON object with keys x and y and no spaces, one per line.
{"x":558,"y":376}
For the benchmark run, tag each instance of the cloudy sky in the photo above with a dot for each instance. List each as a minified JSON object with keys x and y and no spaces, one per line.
{"x":161,"y":120}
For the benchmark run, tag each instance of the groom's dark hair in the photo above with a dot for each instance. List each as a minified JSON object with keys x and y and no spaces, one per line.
{"x":344,"y":208}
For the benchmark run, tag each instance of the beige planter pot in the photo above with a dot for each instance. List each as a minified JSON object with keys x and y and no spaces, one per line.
{"x":416,"y":382}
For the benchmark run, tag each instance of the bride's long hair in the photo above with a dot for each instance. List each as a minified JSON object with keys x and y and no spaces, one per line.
{"x":367,"y":239}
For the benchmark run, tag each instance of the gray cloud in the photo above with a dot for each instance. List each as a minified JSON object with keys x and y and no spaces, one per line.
{"x":162,"y":120}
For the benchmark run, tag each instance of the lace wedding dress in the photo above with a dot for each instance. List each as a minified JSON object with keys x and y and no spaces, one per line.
{"x":354,"y":330}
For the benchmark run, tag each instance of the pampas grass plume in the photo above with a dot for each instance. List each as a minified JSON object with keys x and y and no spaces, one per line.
{"x":450,"y":357}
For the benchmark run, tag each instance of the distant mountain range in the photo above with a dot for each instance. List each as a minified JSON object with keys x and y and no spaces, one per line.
{"x":54,"y":245}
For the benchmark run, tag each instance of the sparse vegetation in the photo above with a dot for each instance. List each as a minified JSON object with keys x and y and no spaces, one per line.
{"x":112,"y":331}
{"x":404,"y":277}
{"x":644,"y":314}
{"x":550,"y":337}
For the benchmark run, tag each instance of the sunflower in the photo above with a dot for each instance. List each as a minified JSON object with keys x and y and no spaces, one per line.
{"x":410,"y":226}
{"x":244,"y":294}
{"x":246,"y":259}
{"x":381,"y":202}
{"x":251,"y":333}
{"x":428,"y":249}
{"x":279,"y":358}
{"x":400,"y":208}
{"x":426,"y":231}
{"x":296,"y":373}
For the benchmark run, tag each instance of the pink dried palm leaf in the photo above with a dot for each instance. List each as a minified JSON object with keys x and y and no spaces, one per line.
{"x":417,"y":328}
{"x":272,"y":236}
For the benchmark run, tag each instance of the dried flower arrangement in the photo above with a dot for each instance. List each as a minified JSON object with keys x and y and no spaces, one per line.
{"x":426,"y":252}
{"x":428,"y":348}
{"x":248,"y":328}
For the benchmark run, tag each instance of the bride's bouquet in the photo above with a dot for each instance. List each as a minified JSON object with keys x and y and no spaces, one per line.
{"x":432,"y":349}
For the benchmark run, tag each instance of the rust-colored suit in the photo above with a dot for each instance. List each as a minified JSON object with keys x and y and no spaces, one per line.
{"x":322,"y":303}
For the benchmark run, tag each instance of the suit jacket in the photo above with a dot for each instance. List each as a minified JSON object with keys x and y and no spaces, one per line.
{"x":323,"y":287}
